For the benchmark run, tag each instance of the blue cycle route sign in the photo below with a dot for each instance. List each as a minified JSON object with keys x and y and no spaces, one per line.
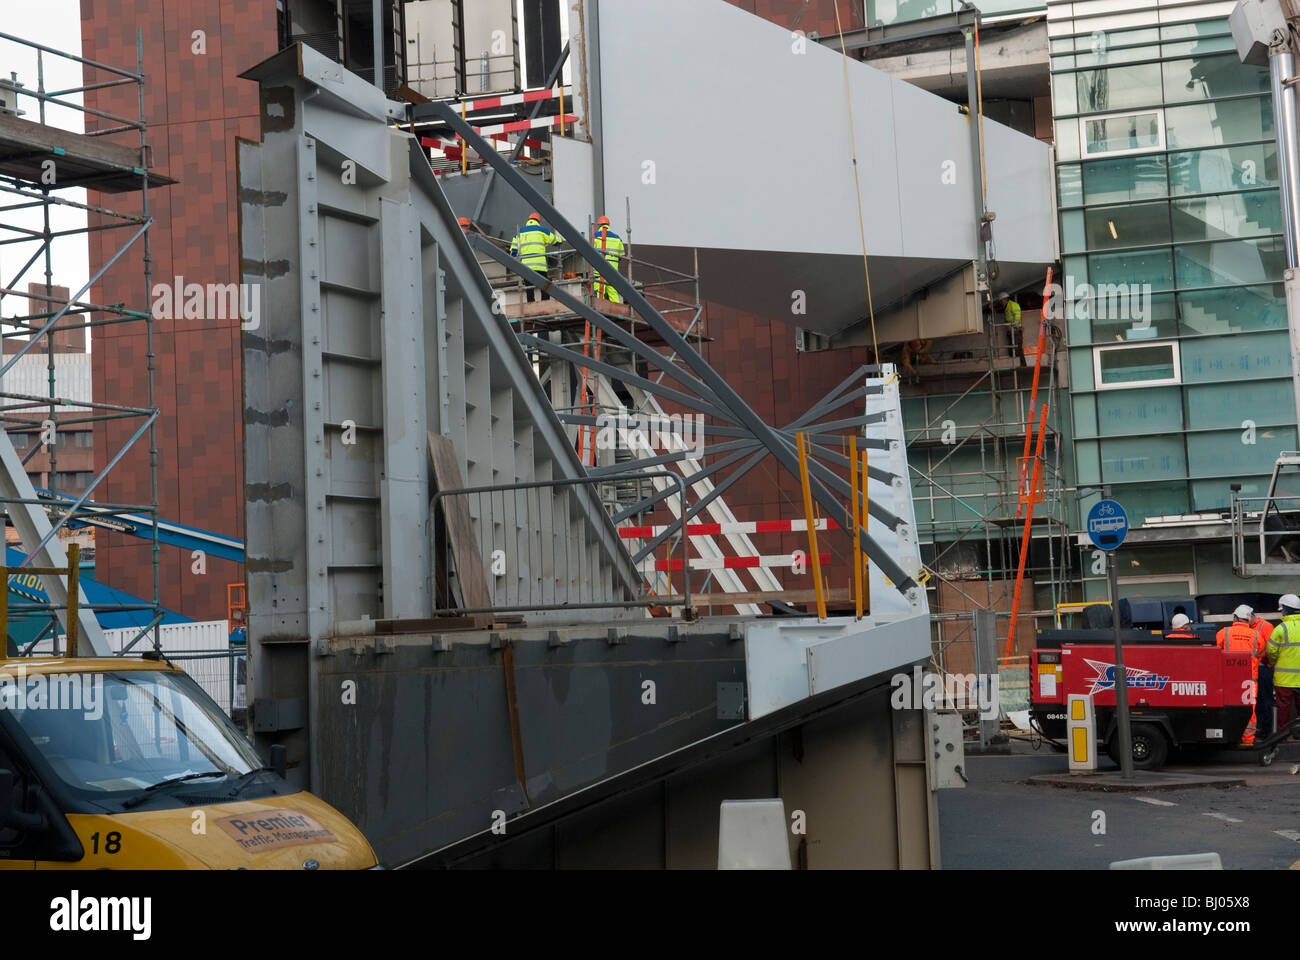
{"x":1107,"y":524}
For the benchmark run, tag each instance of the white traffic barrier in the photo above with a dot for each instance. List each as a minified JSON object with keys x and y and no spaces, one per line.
{"x":1182,"y":861}
{"x":752,"y":835}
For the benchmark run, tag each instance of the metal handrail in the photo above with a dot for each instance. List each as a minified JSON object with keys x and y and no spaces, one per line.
{"x":645,"y":601}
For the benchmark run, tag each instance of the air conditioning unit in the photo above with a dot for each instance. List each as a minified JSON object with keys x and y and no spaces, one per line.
{"x":9,"y":96}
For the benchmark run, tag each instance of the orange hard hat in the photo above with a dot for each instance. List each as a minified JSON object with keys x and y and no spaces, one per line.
{"x":463,"y":221}
{"x":534,"y":216}
{"x":603,"y":222}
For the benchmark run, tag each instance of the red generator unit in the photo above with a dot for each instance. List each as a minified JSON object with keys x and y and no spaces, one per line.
{"x":1181,"y":694}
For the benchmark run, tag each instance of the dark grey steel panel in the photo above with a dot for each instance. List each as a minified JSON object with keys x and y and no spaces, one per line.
{"x":424,"y":755}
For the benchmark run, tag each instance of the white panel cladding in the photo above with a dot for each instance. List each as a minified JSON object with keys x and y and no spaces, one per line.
{"x":200,"y":635}
{"x":682,"y":149}
{"x":787,"y":660}
{"x":31,"y":375}
{"x":1089,"y":16}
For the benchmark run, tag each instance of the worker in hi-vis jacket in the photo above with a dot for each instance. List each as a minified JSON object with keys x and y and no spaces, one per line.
{"x":611,"y":245}
{"x":530,"y":245}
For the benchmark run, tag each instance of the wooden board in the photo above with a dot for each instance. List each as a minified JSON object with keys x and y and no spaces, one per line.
{"x":79,"y":158}
{"x":460,"y":530}
{"x":544,"y":308}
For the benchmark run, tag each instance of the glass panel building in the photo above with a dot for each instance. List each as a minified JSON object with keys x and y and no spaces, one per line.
{"x":903,"y":11}
{"x":1172,"y":250}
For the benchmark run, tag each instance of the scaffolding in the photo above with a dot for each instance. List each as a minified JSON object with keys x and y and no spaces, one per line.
{"x":976,"y":512}
{"x":39,"y":164}
{"x":584,"y":397}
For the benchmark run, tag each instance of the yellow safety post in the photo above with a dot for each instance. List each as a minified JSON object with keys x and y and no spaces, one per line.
{"x":812,"y":527}
{"x":866,"y":519}
{"x":464,"y":147}
{"x":561,"y":110}
{"x":857,"y":523}
{"x":1080,"y":722}
{"x":74,"y":590}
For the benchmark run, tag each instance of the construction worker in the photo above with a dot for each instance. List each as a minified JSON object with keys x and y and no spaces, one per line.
{"x":529,"y":245}
{"x":1009,"y":310}
{"x":1264,"y":701}
{"x":611,"y":245}
{"x":1180,"y":628}
{"x":464,"y":224}
{"x":1241,"y":637}
{"x":1283,"y":655}
{"x":916,"y":351}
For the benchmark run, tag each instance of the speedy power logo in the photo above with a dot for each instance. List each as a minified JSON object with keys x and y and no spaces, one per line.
{"x":1133,"y":677}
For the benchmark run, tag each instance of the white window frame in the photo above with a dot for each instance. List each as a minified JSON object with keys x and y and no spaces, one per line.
{"x":1188,"y":578}
{"x":1085,"y":155}
{"x":1131,"y":384}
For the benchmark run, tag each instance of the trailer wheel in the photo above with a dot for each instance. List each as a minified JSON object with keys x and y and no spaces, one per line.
{"x":1150,"y":747}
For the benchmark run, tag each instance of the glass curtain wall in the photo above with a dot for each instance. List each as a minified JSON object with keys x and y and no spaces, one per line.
{"x":1173,"y":254}
{"x":902,"y":11}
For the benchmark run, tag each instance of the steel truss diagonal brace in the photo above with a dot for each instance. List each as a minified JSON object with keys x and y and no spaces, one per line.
{"x":708,"y":429}
{"x":633,"y":509}
{"x":34,"y":527}
{"x":729,"y":398}
{"x":621,"y":468}
{"x":649,"y":355}
{"x":614,"y":373}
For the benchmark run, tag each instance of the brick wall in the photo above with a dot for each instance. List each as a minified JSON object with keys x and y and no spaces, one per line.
{"x":196,"y":108}
{"x":807,"y":15}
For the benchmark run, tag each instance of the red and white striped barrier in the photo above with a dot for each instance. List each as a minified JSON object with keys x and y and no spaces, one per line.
{"x":734,"y":563}
{"x":511,"y":99}
{"x":722,"y":529}
{"x":514,"y":126}
{"x":453,"y":148}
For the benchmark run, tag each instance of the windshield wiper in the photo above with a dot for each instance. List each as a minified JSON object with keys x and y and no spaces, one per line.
{"x":143,"y":795}
{"x":245,"y":779}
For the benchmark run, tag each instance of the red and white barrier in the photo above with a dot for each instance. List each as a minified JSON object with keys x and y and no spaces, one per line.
{"x":500,"y":130}
{"x":453,"y":148}
{"x":734,"y":563}
{"x":511,"y":99}
{"x":722,"y":529}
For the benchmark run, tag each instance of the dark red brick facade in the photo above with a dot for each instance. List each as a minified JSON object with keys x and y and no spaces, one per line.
{"x":196,"y":108}
{"x":810,"y":16}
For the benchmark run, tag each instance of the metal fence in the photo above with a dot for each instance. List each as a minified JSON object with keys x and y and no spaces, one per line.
{"x":1265,"y":535}
{"x":537,"y":551}
{"x":197,"y":647}
{"x":221,"y":673}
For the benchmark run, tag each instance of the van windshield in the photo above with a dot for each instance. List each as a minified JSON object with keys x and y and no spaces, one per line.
{"x":106,"y":733}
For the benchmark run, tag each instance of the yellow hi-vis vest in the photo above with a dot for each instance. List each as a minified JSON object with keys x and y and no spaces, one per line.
{"x":1283,"y":652}
{"x":530,"y":244}
{"x":1013,"y":313}
{"x":611,"y":245}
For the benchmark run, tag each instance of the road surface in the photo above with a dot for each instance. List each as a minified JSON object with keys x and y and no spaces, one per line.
{"x":999,"y":821}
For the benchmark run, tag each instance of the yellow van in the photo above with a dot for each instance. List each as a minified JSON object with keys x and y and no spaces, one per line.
{"x":126,"y":763}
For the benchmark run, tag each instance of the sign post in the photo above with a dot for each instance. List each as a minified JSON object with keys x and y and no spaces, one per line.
{"x":1107,"y":528}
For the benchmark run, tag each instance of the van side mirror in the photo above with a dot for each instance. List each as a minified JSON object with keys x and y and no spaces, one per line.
{"x":11,"y":816}
{"x":279,"y":760}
